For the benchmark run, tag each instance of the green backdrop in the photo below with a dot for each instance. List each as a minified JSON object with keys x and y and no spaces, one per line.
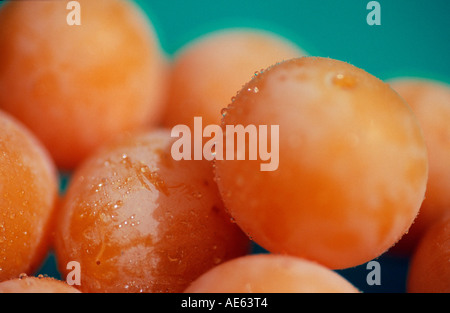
{"x":413,"y":38}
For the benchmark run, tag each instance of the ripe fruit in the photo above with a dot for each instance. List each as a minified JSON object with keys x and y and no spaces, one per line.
{"x":77,"y":86}
{"x":430,"y":264}
{"x":138,"y":221}
{"x":270,"y":273}
{"x":352,"y":163}
{"x":209,"y":71}
{"x":28,"y":190}
{"x":430,"y":102}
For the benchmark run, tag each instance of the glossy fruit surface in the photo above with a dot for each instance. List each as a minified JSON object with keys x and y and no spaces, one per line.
{"x":138,"y":221}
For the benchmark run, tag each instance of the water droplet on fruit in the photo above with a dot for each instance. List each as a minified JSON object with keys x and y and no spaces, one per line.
{"x":224,"y":111}
{"x":118,"y":204}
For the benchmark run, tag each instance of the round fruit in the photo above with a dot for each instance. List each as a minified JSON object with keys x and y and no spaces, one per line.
{"x":28,"y":192}
{"x":429,"y":270}
{"x":346,"y":175}
{"x":210,"y":70}
{"x":270,"y":273}
{"x":76,"y":86}
{"x":138,"y":221}
{"x":430,"y":102}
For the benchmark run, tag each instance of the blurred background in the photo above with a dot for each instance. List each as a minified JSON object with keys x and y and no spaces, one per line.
{"x":412,"y":40}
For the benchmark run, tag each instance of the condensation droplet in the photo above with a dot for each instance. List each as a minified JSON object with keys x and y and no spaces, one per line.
{"x":22,"y":275}
{"x":224,"y":111}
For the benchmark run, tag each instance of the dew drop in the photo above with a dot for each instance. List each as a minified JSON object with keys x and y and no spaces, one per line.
{"x":224,"y":111}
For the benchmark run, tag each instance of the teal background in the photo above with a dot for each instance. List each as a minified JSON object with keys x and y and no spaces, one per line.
{"x":412,"y":40}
